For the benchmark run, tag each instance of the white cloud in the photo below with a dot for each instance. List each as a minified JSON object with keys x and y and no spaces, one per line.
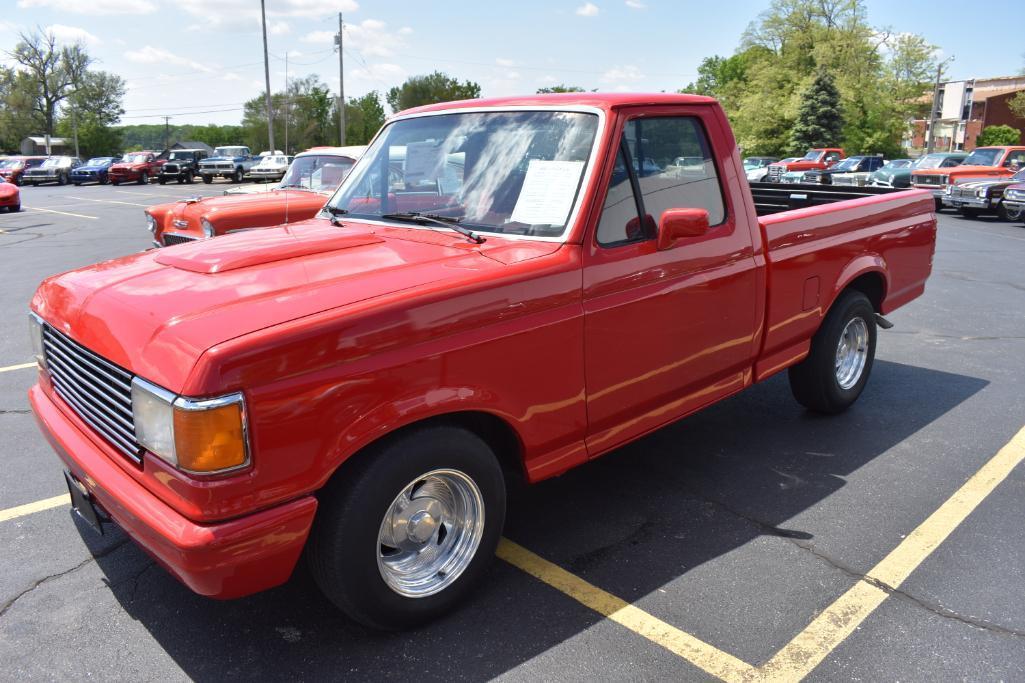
{"x":72,"y":34}
{"x":243,"y":16}
{"x":95,"y":7}
{"x":326,"y":37}
{"x":635,"y":4}
{"x":372,"y":37}
{"x":588,"y":9}
{"x":380,"y":73}
{"x":619,"y":74}
{"x":158,"y":55}
{"x":501,"y":61}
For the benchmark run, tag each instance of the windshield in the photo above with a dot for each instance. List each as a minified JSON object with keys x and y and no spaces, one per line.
{"x":98,"y":161}
{"x":10,"y":163}
{"x":273,"y":161}
{"x":984,"y":157}
{"x":512,"y":172}
{"x":230,"y":152}
{"x":899,"y":163}
{"x":847,"y":164}
{"x":929,"y":161}
{"x":320,"y":173}
{"x":53,"y":162}
{"x":812,"y":155}
{"x":181,"y":155}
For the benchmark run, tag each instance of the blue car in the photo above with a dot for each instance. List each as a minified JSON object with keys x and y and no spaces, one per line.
{"x":92,"y":171}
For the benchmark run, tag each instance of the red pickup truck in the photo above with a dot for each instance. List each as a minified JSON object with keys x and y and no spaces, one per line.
{"x":814,"y":160}
{"x":540,"y":285}
{"x":136,"y":166}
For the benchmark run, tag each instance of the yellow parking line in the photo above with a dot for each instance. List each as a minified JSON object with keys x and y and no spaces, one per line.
{"x":38,"y":506}
{"x":799,"y":657}
{"x":709,"y":658}
{"x":21,"y":366}
{"x":107,"y":201}
{"x":63,"y":213}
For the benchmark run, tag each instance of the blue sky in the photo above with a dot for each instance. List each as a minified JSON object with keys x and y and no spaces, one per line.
{"x":199,"y":60}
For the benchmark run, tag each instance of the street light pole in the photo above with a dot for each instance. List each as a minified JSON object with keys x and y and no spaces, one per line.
{"x":341,"y":85}
{"x":935,"y":103}
{"x":266,"y":74}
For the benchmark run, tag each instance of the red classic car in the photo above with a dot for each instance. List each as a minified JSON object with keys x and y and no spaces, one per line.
{"x":529,"y":295}
{"x":13,"y":168}
{"x":307,"y":184}
{"x":10,"y":197}
{"x":814,"y":160}
{"x":136,"y":166}
{"x":983,"y":163}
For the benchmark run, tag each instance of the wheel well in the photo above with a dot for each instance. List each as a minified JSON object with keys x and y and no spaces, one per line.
{"x":494,"y":431}
{"x":871,"y":285}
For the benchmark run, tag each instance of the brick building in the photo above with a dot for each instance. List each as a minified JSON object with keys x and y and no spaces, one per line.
{"x":964,"y":108}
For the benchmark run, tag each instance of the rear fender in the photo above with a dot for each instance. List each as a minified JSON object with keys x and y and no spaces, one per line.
{"x":861,"y":265}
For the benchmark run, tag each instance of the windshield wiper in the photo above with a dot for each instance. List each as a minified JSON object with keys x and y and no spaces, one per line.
{"x":444,"y":221}
{"x":335,"y":213}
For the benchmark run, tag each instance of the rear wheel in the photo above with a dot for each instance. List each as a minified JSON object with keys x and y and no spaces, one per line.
{"x":1009,"y":215}
{"x":207,"y":179}
{"x":189,"y":178}
{"x":836,"y":370}
{"x":403,"y":534}
{"x":180,"y":179}
{"x":162,"y":180}
{"x":62,"y":179}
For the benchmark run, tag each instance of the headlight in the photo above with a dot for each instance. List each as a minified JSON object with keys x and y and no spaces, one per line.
{"x":151,"y":223}
{"x":208,"y":228}
{"x":35,"y":332}
{"x":204,"y":436}
{"x":981,"y":194}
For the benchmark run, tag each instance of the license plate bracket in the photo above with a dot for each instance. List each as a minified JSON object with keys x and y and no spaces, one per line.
{"x":82,"y":504}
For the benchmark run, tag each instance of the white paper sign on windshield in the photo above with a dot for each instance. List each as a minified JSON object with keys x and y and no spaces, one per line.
{"x":548,"y":191}
{"x":422,"y":161}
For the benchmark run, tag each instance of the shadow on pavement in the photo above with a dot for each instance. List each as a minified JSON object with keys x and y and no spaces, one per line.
{"x":758,"y":455}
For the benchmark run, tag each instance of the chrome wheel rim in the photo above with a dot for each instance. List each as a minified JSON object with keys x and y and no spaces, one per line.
{"x":852,"y":353}
{"x":430,"y":533}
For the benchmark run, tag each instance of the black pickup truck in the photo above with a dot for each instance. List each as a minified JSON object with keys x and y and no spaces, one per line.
{"x":182,"y":165}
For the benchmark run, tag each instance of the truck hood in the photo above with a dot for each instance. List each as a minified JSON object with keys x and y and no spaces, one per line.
{"x":157,"y":312}
{"x":954,"y":171}
{"x":213,"y":159}
{"x":127,"y":167}
{"x":101,"y":167}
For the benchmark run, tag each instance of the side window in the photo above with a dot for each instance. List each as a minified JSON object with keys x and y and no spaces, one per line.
{"x":831,"y":157}
{"x":1015,"y":157}
{"x":620,"y":208}
{"x":674,"y":166}
{"x":947,"y":163}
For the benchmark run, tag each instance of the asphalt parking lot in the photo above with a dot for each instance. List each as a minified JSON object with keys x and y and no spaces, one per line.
{"x":753,"y":540}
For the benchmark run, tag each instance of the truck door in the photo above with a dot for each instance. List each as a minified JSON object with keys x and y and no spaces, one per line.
{"x":666,"y":332}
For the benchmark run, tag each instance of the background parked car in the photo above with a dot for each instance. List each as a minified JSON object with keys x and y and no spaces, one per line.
{"x":856,"y":164}
{"x":13,"y":168}
{"x":346,"y":157}
{"x":55,"y":169}
{"x":1014,"y":202}
{"x":900,"y":177}
{"x":135,"y":166}
{"x":94,"y":170}
{"x":976,"y":197}
{"x":181,"y":165}
{"x":862,"y":178}
{"x":815,"y":159}
{"x":758,"y":174}
{"x":982,"y":163}
{"x":270,"y":168}
{"x":10,"y":197}
{"x":311,"y":180}
{"x":229,"y":161}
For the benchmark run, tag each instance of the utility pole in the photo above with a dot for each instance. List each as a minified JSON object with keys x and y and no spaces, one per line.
{"x":288,"y":105}
{"x":74,"y":127}
{"x":935,"y":105}
{"x":266,"y":75}
{"x":341,"y":85}
{"x":167,"y":132}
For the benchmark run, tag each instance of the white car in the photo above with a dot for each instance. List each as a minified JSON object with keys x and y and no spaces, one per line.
{"x":758,"y":173}
{"x":320,"y":169}
{"x":270,"y":168}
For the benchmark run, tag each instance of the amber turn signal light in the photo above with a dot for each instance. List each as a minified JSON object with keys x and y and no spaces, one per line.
{"x":210,"y":440}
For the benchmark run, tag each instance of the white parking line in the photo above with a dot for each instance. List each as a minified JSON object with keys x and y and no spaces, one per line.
{"x":19,"y":366}
{"x":106,"y":201}
{"x":63,"y":213}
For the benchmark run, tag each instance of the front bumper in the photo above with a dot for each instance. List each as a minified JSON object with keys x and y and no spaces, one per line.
{"x":967,"y":202}
{"x":122,"y":176}
{"x":218,"y":172}
{"x":223,"y":560}
{"x":40,"y":178}
{"x":94,"y":177}
{"x":10,"y":200}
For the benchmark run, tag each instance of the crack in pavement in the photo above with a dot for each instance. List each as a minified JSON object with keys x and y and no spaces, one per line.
{"x":39,"y":582}
{"x":24,"y":411}
{"x":795,"y":538}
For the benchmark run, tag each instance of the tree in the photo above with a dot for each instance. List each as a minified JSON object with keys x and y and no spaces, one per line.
{"x":998,"y":135}
{"x":819,"y":119}
{"x":364,"y":116}
{"x":436,"y":87}
{"x":54,"y":73}
{"x":1017,"y":105}
{"x":559,"y":88}
{"x":305,"y":111}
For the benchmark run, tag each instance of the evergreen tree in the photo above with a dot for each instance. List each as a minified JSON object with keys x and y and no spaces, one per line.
{"x":819,"y":119}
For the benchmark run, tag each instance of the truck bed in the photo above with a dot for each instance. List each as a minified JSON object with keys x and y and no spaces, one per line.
{"x":772,"y":198}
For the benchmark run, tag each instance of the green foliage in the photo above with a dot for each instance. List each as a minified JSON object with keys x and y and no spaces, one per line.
{"x":819,"y":118}
{"x":363,"y":117}
{"x":306,"y":111}
{"x":559,"y":88}
{"x":151,"y":135}
{"x":430,"y":89}
{"x":53,"y":74}
{"x":998,"y":135}
{"x":880,"y":77}
{"x":1017,"y":105}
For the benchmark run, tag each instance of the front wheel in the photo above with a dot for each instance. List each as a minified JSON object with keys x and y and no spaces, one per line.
{"x":406,"y":532}
{"x":62,"y":180}
{"x":162,"y":180}
{"x":207,"y":179}
{"x":143,"y":178}
{"x":189,"y":178}
{"x":836,"y":370}
{"x":239,"y":174}
{"x":1009,"y":215}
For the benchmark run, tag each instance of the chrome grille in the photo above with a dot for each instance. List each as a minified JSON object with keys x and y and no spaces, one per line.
{"x":774,"y":173}
{"x":962,"y":192}
{"x":927,"y":180}
{"x":171,"y":238}
{"x":170,"y":168}
{"x":97,"y":390}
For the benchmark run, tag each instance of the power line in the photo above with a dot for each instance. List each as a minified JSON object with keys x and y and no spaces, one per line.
{"x":183,"y":113}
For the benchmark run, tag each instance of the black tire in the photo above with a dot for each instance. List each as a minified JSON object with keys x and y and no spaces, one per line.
{"x":103,"y":180}
{"x":189,"y":178}
{"x":162,"y":180}
{"x":342,"y":549}
{"x":115,"y":183}
{"x":239,"y":175}
{"x":939,"y":204}
{"x":61,"y":179}
{"x":207,"y":180}
{"x":77,"y":184}
{"x":14,"y":209}
{"x":180,"y":179}
{"x":143,"y":178}
{"x":1008,"y":215}
{"x":814,"y":381}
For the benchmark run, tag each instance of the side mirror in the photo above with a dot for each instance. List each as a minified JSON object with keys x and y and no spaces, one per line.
{"x":677,"y":224}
